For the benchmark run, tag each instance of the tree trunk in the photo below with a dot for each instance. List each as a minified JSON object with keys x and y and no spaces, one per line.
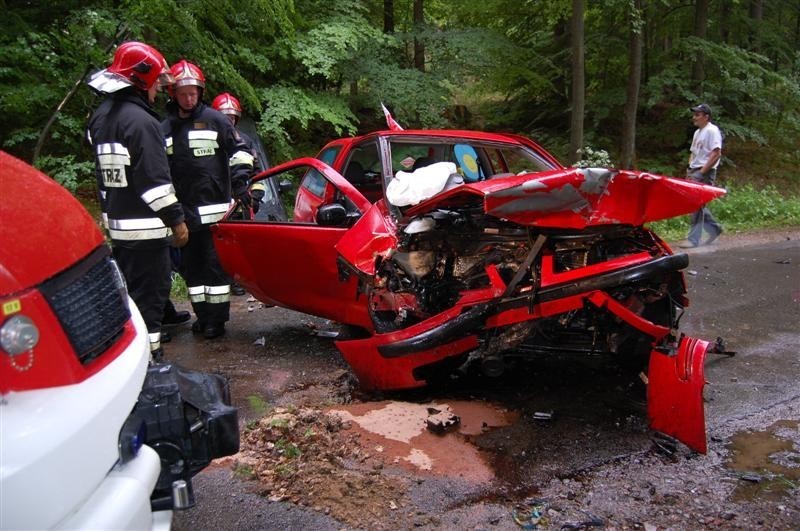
{"x":419,"y":46}
{"x":756,"y":13}
{"x":628,"y":151}
{"x":725,"y":22}
{"x":796,"y":36}
{"x":578,"y":87}
{"x":700,"y":31}
{"x":388,"y":16}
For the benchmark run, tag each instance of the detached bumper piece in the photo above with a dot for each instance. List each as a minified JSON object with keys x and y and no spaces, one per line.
{"x":675,"y":393}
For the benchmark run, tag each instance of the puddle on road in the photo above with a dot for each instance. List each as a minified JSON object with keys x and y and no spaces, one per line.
{"x":767,"y":462}
{"x":398,"y":431}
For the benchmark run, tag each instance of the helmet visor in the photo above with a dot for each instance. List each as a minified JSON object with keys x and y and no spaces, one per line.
{"x":165,"y":78}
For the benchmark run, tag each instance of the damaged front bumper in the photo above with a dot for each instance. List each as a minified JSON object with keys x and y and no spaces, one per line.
{"x":394,"y":360}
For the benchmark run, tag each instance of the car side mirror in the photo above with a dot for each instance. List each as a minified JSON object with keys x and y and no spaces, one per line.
{"x":285,"y":185}
{"x":332,"y":215}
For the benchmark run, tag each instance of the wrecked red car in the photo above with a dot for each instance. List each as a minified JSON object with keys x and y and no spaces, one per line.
{"x":442,"y":248}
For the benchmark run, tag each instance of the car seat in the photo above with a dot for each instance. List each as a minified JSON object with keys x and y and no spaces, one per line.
{"x":355,"y":173}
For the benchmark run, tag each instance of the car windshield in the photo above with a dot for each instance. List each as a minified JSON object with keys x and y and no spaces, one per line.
{"x":475,"y":161}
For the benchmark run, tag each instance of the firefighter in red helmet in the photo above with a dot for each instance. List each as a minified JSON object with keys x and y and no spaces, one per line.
{"x":210,"y":163}
{"x":229,"y":105}
{"x":140,"y":209}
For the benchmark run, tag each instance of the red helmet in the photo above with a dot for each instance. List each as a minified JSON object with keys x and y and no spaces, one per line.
{"x":226,"y":103}
{"x":135,"y":63}
{"x":186,"y":73}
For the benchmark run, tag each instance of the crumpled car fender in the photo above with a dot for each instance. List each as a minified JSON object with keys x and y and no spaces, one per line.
{"x":675,"y":393}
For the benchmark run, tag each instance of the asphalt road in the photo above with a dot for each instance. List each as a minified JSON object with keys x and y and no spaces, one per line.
{"x":593,"y":463}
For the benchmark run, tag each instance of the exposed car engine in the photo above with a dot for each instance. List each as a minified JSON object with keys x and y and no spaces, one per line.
{"x":440,"y":258}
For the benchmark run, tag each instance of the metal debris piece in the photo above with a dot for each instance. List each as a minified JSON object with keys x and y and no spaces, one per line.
{"x":543,"y":415}
{"x":326,"y":333}
{"x":665,"y":444}
{"x":261,"y":341}
{"x":751,"y":477}
{"x":719,"y":348}
{"x":441,"y":421}
{"x":591,"y":521}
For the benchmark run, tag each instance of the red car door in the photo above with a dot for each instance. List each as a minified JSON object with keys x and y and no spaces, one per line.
{"x":295,"y":264}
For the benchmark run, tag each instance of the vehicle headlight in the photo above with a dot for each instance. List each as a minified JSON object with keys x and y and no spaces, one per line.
{"x":18,"y":335}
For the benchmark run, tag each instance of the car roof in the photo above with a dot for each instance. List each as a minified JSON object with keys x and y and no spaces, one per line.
{"x":480,"y":136}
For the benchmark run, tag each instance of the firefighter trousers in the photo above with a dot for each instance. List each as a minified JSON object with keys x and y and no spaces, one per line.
{"x":146,"y":272}
{"x":206,"y":282}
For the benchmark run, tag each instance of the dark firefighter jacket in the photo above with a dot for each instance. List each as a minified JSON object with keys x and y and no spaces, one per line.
{"x":209,"y":163}
{"x":136,"y":191}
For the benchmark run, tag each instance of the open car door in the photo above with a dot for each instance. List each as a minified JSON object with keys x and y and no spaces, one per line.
{"x":295,"y":264}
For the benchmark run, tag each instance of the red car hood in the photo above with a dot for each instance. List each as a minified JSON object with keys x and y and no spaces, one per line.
{"x":576,"y":198}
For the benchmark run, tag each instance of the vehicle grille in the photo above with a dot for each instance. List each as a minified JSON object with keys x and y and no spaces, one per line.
{"x":89,"y":301}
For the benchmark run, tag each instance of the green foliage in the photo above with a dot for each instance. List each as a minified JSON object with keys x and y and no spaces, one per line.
{"x":288,"y":448}
{"x":178,"y":291}
{"x":295,"y":110}
{"x":66,"y":170}
{"x":243,"y":471}
{"x":746,"y":207}
{"x":593,"y":158}
{"x":259,"y":406}
{"x":279,"y":423}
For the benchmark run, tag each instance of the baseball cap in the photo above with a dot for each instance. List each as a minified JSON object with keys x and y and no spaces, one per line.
{"x":703,"y":107}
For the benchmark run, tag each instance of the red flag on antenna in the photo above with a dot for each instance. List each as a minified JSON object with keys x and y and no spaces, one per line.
{"x":393,"y":125}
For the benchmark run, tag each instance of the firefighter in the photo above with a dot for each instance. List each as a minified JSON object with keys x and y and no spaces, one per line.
{"x":140,"y":209}
{"x":229,"y":105}
{"x":210,"y":164}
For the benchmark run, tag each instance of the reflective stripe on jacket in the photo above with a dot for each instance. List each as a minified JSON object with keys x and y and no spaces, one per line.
{"x":209,"y":161}
{"x":136,"y":192}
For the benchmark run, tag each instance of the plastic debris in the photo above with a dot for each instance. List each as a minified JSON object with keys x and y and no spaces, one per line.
{"x":261,"y":341}
{"x":543,"y":415}
{"x":530,"y":514}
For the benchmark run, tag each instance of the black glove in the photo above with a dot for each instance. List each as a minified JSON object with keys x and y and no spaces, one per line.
{"x":257,"y":195}
{"x":245,"y":200}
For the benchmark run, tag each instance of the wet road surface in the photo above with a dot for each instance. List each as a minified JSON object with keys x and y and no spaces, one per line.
{"x":559,"y":442}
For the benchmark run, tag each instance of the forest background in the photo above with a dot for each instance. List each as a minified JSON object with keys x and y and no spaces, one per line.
{"x":607,"y":82}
